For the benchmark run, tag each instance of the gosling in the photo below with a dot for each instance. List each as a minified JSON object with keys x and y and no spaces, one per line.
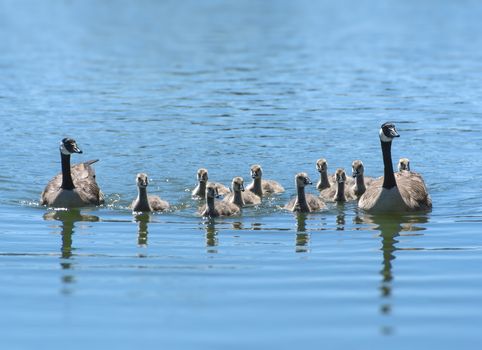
{"x":322,"y":168}
{"x":214,"y":208}
{"x":239,"y":196}
{"x":303,"y":202}
{"x":361,"y":182}
{"x":404,"y":164}
{"x":144,"y":202}
{"x":340,"y":191}
{"x":261,"y":187}
{"x":200,"y":190}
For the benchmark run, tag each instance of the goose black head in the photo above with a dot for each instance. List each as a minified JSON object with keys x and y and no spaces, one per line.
{"x":388,"y":132}
{"x":302,"y":179}
{"x":68,"y":146}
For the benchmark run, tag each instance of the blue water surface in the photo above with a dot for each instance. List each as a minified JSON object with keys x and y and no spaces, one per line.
{"x":166,"y":87}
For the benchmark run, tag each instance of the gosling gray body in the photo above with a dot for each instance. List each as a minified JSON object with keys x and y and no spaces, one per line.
{"x":340,"y":190}
{"x":260,"y":186}
{"x":214,"y":208}
{"x":394,"y":192}
{"x":239,"y":196}
{"x":361,"y":181}
{"x":304,"y":202}
{"x":200,"y":190}
{"x":76,"y":185}
{"x":145,"y":202}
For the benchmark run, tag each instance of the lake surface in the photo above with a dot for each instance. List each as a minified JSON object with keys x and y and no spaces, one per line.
{"x":168,"y":87}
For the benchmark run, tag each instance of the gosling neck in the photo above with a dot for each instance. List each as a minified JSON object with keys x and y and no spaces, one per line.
{"x":340,"y":192}
{"x":389,"y":177}
{"x":202,"y":189}
{"x":324,"y":182}
{"x":257,"y":188}
{"x":301,"y":199}
{"x":210,"y":204}
{"x":67,"y":183}
{"x":238,"y":199}
{"x":142,"y":203}
{"x":360,"y":184}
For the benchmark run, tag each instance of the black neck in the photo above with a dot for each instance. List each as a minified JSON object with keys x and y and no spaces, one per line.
{"x":258,"y":189}
{"x":302,"y":199}
{"x":360,"y":183}
{"x":202,"y":188}
{"x":142,"y":200}
{"x":389,"y":177}
{"x":210,"y":204}
{"x":324,"y":179}
{"x":67,"y":183}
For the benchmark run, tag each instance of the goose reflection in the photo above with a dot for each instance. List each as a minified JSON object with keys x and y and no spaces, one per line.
{"x":302,"y":237}
{"x":68,"y":218}
{"x":211,"y":235}
{"x":142,"y":220}
{"x":391,"y":227}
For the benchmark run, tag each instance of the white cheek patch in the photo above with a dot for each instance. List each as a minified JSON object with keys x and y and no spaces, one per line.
{"x":64,"y":150}
{"x":383,"y":137}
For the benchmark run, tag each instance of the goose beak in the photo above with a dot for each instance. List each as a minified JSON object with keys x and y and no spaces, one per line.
{"x":76,"y":149}
{"x":355,"y":173}
{"x":242,"y":188}
{"x":394,"y":133}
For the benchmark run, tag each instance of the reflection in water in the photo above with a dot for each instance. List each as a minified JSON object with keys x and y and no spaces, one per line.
{"x":390,"y":226}
{"x":68,"y":218}
{"x":340,"y":217}
{"x":142,"y":219}
{"x":211,"y":235}
{"x":302,"y":237}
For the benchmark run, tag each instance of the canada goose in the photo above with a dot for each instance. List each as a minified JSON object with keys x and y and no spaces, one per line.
{"x":145,"y":202}
{"x":304,"y":202}
{"x":361,"y":182}
{"x":403,"y":191}
{"x":214,"y":208}
{"x":340,"y":191}
{"x":259,"y":186}
{"x":202,"y":178}
{"x":322,"y":167}
{"x":404,"y":164}
{"x":75,"y":186}
{"x":239,"y":196}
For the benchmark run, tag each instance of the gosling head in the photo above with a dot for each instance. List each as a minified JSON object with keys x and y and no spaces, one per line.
{"x":388,"y":132}
{"x":357,"y":168}
{"x":340,"y":176}
{"x":302,"y":179}
{"x":202,"y":175}
{"x":256,"y":171}
{"x":238,"y":184}
{"x":404,"y":164}
{"x":142,"y":180}
{"x":321,"y":165}
{"x":68,"y":146}
{"x":211,"y":191}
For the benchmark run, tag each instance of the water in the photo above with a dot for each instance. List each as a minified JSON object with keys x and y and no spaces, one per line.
{"x":168,"y":87}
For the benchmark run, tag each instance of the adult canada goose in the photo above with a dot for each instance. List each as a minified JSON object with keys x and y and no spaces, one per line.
{"x":404,"y":164}
{"x":239,"y":196}
{"x":214,"y":208}
{"x":75,"y":186}
{"x":322,"y":167}
{"x":304,"y":202}
{"x":404,"y":191}
{"x":145,"y":202}
{"x":260,"y":186}
{"x":361,"y":182}
{"x":202,"y":178}
{"x":340,"y":191}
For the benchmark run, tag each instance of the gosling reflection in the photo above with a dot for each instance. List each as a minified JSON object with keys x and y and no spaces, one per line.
{"x":211,"y":235}
{"x":68,"y":218}
{"x":340,"y":217}
{"x":390,"y":227}
{"x":302,"y":237}
{"x":142,"y":220}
